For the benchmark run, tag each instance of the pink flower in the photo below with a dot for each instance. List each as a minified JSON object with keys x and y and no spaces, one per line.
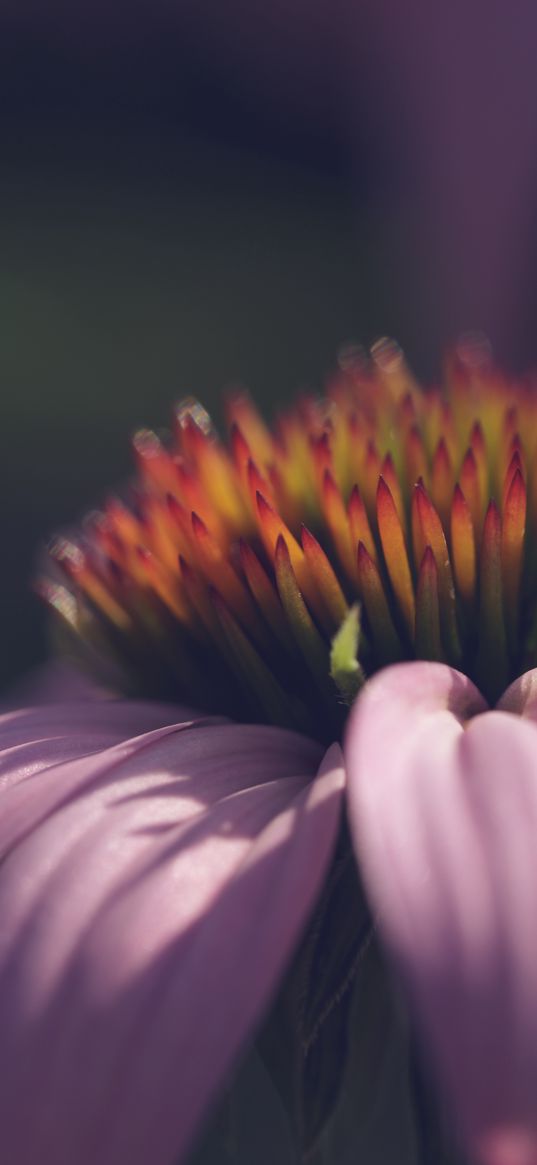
{"x":159,"y":865}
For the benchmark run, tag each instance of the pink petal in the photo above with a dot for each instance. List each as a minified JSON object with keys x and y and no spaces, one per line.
{"x":444,"y":817}
{"x":58,"y":721}
{"x":521,"y":696}
{"x":35,"y":739}
{"x":147,"y":910}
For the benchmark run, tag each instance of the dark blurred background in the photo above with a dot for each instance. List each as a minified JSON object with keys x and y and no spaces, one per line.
{"x":199,"y":194}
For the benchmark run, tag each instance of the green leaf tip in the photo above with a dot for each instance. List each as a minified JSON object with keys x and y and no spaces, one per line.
{"x":345,"y":669}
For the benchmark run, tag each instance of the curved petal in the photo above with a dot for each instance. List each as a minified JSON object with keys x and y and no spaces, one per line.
{"x":40,"y":738}
{"x":443,"y":806}
{"x":151,"y":897}
{"x":59,"y":721}
{"x":521,"y":696}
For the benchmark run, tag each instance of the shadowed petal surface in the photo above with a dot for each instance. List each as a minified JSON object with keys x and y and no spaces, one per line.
{"x":150,"y":897}
{"x":54,"y":682}
{"x":521,"y":696}
{"x":443,"y":806}
{"x":59,"y":721}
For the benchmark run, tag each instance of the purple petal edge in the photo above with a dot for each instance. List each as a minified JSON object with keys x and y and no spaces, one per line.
{"x":443,"y":810}
{"x":521,"y":696}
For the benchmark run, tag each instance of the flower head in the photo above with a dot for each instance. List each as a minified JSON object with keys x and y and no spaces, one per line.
{"x":159,"y":865}
{"x":225,"y":574}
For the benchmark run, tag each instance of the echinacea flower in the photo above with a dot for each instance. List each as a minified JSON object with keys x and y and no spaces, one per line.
{"x":160,"y":864}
